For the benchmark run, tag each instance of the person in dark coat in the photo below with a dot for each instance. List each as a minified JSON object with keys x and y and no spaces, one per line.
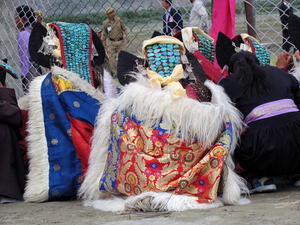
{"x":269,"y":99}
{"x":172,"y":19}
{"x":284,"y":11}
{"x":12,"y":169}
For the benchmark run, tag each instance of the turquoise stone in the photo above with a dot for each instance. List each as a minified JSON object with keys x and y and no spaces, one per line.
{"x":161,"y":73}
{"x":156,"y":50}
{"x":150,"y":55}
{"x":155,"y":46}
{"x":152,"y":67}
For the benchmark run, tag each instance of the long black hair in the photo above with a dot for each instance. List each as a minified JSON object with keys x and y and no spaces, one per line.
{"x":28,"y":12}
{"x":253,"y":78}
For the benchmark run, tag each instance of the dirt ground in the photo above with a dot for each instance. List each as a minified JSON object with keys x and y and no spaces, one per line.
{"x":280,"y":207}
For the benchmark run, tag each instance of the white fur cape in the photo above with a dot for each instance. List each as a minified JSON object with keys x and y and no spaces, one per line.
{"x":37,"y":186}
{"x":205,"y":121}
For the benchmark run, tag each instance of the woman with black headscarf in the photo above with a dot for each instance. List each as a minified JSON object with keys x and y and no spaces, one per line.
{"x":269,"y":99}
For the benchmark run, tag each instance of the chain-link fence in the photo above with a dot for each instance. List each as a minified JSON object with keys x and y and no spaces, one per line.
{"x":141,"y":19}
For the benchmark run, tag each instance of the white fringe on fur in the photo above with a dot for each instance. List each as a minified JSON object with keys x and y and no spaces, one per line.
{"x":90,"y":186}
{"x":37,"y":186}
{"x":205,"y":121}
{"x":235,"y":186}
{"x":166,"y":200}
{"x":110,"y":86}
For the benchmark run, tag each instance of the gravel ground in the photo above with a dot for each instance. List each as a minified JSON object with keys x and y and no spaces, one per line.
{"x":280,"y":207}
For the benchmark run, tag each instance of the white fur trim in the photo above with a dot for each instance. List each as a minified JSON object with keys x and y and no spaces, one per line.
{"x":37,"y":186}
{"x":110,"y":86}
{"x":234,"y":187}
{"x":23,"y":102}
{"x":83,"y":85}
{"x":296,"y":73}
{"x":100,"y":143}
{"x":167,"y":200}
{"x":204,"y":121}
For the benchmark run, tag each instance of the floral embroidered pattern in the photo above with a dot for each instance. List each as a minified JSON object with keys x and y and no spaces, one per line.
{"x":61,"y":84}
{"x":149,"y":159}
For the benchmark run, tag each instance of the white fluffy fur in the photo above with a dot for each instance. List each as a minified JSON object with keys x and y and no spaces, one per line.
{"x":90,"y":186}
{"x":110,"y":86}
{"x":168,"y":201}
{"x":234,"y":187}
{"x":204,"y":120}
{"x":296,"y":73}
{"x":37,"y":186}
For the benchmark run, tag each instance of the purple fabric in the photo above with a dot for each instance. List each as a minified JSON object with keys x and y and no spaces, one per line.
{"x":23,"y":40}
{"x":271,"y":109}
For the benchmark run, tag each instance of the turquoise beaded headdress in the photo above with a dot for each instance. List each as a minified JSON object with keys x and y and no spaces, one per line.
{"x":206,"y":46}
{"x":76,"y":48}
{"x":8,"y":69}
{"x":226,"y":47}
{"x":256,"y":48}
{"x":197,"y":40}
{"x":163,"y":54}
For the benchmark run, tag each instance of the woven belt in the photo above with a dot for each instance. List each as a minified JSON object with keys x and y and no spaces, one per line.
{"x":117,"y":39}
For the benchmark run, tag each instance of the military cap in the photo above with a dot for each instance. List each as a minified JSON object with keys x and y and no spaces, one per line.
{"x":109,"y":10}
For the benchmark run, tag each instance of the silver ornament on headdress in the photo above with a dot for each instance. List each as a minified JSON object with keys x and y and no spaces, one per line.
{"x":141,"y":68}
{"x":243,"y":47}
{"x":48,"y":44}
{"x":188,"y":72}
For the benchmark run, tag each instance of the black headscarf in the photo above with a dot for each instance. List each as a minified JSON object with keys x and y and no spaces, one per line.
{"x":238,"y":56}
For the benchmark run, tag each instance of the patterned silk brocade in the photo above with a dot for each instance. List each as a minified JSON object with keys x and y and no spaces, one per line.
{"x":142,"y":159}
{"x":61,"y":84}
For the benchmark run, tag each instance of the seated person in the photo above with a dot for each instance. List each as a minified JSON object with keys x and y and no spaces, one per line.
{"x":12,"y":169}
{"x":269,"y":99}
